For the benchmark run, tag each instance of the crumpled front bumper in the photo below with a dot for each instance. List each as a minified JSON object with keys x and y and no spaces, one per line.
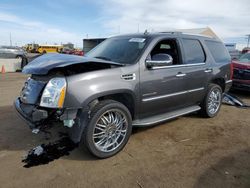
{"x":35,"y":116}
{"x":30,"y":114}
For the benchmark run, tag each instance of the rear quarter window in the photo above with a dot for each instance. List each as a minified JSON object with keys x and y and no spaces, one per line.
{"x":193,"y":51}
{"x":218,"y":51}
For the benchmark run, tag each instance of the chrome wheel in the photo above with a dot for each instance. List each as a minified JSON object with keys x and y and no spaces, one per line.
{"x":214,"y":101}
{"x":110,"y":130}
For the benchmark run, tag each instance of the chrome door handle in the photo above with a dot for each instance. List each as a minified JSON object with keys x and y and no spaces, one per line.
{"x":180,"y":75}
{"x":208,"y":70}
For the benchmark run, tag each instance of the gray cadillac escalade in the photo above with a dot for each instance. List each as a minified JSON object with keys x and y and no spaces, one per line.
{"x":129,"y":80}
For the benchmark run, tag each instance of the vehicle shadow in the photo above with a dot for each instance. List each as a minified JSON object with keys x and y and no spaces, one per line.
{"x":240,"y":93}
{"x":17,"y":136}
{"x":230,"y":171}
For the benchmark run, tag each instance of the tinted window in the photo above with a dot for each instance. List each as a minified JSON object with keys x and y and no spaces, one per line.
{"x":193,"y":51}
{"x":120,"y":50}
{"x":218,"y":51}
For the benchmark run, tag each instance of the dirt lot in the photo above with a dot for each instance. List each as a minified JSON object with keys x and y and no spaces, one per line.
{"x":187,"y":152}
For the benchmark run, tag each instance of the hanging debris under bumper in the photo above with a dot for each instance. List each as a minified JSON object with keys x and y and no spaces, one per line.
{"x":36,"y":117}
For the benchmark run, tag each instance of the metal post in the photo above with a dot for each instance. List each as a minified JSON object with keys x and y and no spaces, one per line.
{"x":248,"y":40}
{"x":10,"y":40}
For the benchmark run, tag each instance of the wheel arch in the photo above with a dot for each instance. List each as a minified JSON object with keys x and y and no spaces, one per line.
{"x":126,"y":97}
{"x":219,"y":81}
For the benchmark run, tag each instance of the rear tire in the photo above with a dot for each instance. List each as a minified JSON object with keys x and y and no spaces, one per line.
{"x":212,"y":101}
{"x":108,"y":129}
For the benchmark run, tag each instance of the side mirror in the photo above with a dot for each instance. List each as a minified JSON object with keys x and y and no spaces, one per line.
{"x":159,"y":60}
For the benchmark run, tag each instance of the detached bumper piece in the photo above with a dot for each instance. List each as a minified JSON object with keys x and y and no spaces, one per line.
{"x":30,"y":114}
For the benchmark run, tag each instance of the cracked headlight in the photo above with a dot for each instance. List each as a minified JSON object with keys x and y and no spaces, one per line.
{"x":54,"y":93}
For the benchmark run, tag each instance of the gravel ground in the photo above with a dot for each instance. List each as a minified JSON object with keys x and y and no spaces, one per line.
{"x":189,"y":151}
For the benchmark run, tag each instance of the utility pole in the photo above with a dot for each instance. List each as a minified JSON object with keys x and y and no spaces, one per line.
{"x":138,"y":28}
{"x":10,"y":40}
{"x":248,"y":39}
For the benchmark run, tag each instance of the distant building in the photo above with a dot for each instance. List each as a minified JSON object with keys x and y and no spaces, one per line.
{"x":230,"y":46}
{"x":200,"y":31}
{"x":234,"y":53}
{"x":68,"y":45}
{"x":89,"y":44}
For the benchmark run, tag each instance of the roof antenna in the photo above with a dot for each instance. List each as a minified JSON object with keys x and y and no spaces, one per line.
{"x":146,"y":32}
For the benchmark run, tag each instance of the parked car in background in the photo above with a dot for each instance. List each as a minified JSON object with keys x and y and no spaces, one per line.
{"x":66,"y":50}
{"x":14,"y":52}
{"x":241,"y":72}
{"x":72,"y":51}
{"x":79,"y":52}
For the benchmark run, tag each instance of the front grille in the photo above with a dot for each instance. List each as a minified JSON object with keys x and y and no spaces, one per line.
{"x":241,"y":74}
{"x":31,"y":91}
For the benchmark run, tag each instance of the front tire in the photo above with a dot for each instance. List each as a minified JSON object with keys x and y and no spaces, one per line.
{"x":108,"y":130}
{"x":212,"y":101}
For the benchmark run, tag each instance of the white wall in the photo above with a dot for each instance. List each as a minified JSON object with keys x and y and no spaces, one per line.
{"x":10,"y":65}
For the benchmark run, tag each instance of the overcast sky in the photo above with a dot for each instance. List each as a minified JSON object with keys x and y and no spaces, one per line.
{"x":56,"y":21}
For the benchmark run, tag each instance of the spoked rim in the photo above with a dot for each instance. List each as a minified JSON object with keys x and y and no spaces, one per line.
{"x":214,"y":101}
{"x":110,"y":130}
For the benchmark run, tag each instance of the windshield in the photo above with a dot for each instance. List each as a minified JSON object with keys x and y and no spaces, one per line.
{"x":119,"y":50}
{"x":245,"y":58}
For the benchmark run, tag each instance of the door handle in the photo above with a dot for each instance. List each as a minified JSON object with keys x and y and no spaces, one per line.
{"x":208,"y":70}
{"x":180,"y":74}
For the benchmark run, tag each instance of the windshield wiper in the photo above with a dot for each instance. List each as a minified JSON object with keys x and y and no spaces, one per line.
{"x":104,"y":58}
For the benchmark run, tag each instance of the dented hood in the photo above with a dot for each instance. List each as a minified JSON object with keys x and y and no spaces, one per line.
{"x":43,"y":64}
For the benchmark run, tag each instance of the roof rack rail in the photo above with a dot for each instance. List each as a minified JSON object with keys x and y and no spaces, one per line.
{"x":171,"y":32}
{"x":202,"y":35}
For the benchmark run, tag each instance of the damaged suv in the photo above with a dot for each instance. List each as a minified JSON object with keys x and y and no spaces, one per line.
{"x":129,"y":80}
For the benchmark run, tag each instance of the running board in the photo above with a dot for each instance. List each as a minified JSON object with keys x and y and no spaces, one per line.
{"x":163,"y":117}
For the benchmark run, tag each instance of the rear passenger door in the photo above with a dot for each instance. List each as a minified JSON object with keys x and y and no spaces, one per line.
{"x":197,"y":68}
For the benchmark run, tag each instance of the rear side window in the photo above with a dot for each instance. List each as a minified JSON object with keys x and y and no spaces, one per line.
{"x":194,"y":52}
{"x":218,"y":51}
